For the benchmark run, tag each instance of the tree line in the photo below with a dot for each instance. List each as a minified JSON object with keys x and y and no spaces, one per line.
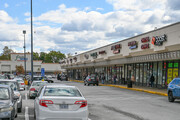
{"x":51,"y":57}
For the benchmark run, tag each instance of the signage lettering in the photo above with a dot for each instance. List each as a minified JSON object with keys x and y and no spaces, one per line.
{"x":75,"y":59}
{"x":146,"y":39}
{"x":158,"y":40}
{"x":133,"y":45}
{"x":145,"y":46}
{"x":20,"y":58}
{"x":86,"y":56}
{"x":102,"y":52}
{"x":94,"y":55}
{"x":116,"y":51}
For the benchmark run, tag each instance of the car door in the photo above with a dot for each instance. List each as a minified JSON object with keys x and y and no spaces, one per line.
{"x":178,"y":88}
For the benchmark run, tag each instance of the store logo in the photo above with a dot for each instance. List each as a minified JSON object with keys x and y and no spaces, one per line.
{"x":94,"y":55}
{"x":158,"y":40}
{"x":86,"y":56}
{"x":116,"y":48}
{"x":75,"y":59}
{"x":20,"y":58}
{"x":102,"y":52}
{"x":133,"y":45}
{"x":146,"y":39}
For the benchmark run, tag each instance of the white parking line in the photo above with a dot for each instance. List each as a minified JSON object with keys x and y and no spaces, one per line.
{"x":89,"y":119}
{"x":26,"y":113}
{"x":26,"y":96}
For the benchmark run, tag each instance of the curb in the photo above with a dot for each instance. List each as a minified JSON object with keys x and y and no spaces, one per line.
{"x":135,"y":89}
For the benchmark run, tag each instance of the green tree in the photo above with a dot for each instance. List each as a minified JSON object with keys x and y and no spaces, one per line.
{"x":6,"y":53}
{"x":54,"y":57}
{"x":42,"y":56}
{"x":35,"y":56}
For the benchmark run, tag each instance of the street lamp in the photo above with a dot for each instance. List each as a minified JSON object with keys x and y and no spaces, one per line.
{"x":31,"y":43}
{"x":24,"y":32}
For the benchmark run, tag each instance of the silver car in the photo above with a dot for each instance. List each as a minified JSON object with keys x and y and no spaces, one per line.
{"x":35,"y":87}
{"x":8,"y":103}
{"x":14,"y":85}
{"x":60,"y":102}
{"x":21,"y":83}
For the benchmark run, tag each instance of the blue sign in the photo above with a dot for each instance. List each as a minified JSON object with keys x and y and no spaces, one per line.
{"x":133,"y":47}
{"x":42,"y":72}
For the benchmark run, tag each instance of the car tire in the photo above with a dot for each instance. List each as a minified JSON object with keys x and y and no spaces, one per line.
{"x":170,"y":97}
{"x":97,"y":84}
{"x":84,"y":84}
{"x":88,"y":84}
{"x":19,"y":110}
{"x":93,"y":84}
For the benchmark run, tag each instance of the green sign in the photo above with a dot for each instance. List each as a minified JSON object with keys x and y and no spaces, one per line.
{"x":176,"y":65}
{"x":170,"y":65}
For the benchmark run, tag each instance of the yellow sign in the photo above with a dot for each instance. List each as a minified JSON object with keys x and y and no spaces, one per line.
{"x":169,"y":75}
{"x":175,"y":73}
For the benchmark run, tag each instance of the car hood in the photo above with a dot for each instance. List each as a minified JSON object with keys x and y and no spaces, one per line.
{"x":4,"y":103}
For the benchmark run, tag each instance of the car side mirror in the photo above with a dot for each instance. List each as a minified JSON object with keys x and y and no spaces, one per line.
{"x":35,"y":94}
{"x":15,"y":97}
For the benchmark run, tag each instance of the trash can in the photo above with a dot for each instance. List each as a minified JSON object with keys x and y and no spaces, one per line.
{"x":129,"y":84}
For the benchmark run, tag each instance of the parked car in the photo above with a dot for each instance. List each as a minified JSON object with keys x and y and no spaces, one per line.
{"x":8,"y":103}
{"x":35,"y":87}
{"x":14,"y":85}
{"x":21,"y":83}
{"x":62,"y":102}
{"x":174,"y":90}
{"x":91,"y":79}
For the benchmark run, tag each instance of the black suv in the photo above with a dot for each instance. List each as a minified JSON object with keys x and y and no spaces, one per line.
{"x":92,"y":79}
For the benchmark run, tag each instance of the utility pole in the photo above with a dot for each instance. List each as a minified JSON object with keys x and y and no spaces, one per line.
{"x":24,"y":32}
{"x":31,"y":43}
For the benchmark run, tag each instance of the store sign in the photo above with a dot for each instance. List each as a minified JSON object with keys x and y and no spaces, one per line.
{"x":133,"y":45}
{"x":116,"y":48}
{"x":20,"y":58}
{"x":71,"y":60}
{"x":94,"y":55}
{"x":102,"y":52}
{"x":144,"y":40}
{"x":75,"y":59}
{"x":145,"y":46}
{"x":116,"y":51}
{"x":86,"y":56}
{"x":158,"y":40}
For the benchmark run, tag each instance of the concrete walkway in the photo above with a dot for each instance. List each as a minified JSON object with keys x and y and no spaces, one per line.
{"x":157,"y":91}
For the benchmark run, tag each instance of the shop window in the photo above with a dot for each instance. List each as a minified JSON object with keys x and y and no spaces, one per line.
{"x":155,"y":72}
{"x":160,"y":80}
{"x":137,"y":73}
{"x":145,"y":74}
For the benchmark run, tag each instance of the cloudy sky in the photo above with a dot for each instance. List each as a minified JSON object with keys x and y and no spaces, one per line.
{"x":73,"y":26}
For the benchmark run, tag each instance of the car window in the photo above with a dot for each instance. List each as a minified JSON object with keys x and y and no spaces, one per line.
{"x":56,"y":91}
{"x":39,"y":92}
{"x":173,"y":82}
{"x":20,"y":81}
{"x":38,"y":83}
{"x":13,"y":85}
{"x":4,"y":93}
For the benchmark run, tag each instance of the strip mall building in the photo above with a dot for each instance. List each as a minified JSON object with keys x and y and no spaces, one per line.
{"x":9,"y":66}
{"x":156,"y":52}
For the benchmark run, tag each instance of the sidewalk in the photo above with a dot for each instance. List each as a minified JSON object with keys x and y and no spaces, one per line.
{"x":157,"y":91}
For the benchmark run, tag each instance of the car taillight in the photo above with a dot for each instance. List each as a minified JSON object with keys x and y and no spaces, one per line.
{"x":22,"y":83}
{"x":89,"y":79}
{"x":82,"y":102}
{"x":32,"y":89}
{"x":45,"y":102}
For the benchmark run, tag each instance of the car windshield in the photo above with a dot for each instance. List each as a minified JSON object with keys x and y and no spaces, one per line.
{"x":4,"y":93}
{"x":13,"y":85}
{"x":37,"y":78}
{"x":2,"y":77}
{"x":38,"y":83}
{"x":20,"y":81}
{"x":61,"y":91}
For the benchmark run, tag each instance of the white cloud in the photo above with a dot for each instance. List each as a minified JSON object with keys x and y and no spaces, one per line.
{"x":99,"y":9}
{"x":6,"y":5}
{"x":27,"y":14}
{"x":72,"y":30}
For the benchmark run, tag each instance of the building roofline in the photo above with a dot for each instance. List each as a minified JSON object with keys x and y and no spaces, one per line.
{"x":131,"y":37}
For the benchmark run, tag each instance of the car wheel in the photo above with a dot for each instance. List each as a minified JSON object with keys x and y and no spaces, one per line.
{"x":170,"y":97}
{"x":93,"y":84}
{"x":97,"y":84}
{"x":88,"y":84}
{"x":84,"y":84}
{"x":19,"y":110}
{"x":16,"y":116}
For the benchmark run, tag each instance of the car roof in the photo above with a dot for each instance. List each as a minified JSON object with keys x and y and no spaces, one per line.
{"x":58,"y":85}
{"x":39,"y":81}
{"x":5,"y":86}
{"x":8,"y":80}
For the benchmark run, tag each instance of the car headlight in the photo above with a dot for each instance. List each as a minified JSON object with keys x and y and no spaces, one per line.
{"x":6,"y":109}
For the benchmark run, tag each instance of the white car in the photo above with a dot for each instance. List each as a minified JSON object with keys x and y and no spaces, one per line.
{"x":21,"y":83}
{"x":60,"y":102}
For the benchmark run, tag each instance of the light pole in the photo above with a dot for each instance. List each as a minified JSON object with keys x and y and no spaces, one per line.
{"x":24,"y":32}
{"x":31,"y":43}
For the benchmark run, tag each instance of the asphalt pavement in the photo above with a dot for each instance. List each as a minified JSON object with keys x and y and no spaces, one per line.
{"x":111,"y":102}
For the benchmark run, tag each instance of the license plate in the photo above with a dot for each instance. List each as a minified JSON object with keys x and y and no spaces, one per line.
{"x":63,"y":106}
